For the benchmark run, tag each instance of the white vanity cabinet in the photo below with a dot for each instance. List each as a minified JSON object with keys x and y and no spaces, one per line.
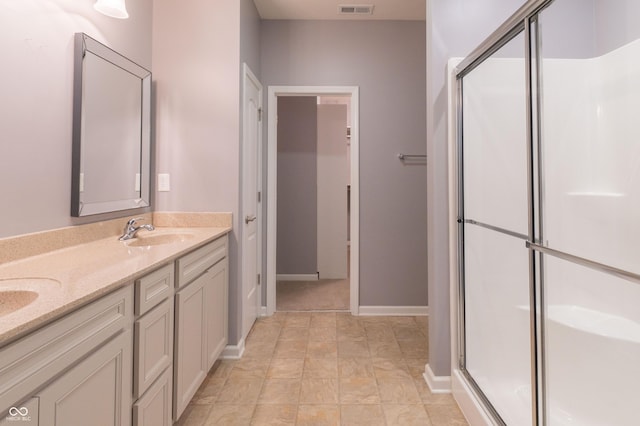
{"x":153,"y":348}
{"x":84,"y":361}
{"x":92,"y":392}
{"x":133,"y":357}
{"x":201,"y":318}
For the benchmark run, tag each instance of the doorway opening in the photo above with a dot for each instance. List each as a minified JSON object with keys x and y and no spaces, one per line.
{"x":337,"y":265}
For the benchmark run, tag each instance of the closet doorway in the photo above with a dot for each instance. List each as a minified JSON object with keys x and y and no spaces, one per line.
{"x":312,"y":208}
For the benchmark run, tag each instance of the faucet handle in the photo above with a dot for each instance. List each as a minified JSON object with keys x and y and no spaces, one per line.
{"x":133,"y":221}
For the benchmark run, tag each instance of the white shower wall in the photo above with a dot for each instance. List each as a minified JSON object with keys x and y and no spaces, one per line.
{"x":591,"y":158}
{"x":590,"y":137}
{"x":591,"y":164}
{"x":592,"y":155}
{"x":591,"y":170}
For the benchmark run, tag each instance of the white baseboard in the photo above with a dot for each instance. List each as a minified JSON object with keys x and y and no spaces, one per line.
{"x":437,"y":384}
{"x":297,"y":277}
{"x":263,"y":311}
{"x":233,"y":351}
{"x":396,"y":311}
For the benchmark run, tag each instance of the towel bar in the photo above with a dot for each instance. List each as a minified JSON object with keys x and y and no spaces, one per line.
{"x":403,"y":157}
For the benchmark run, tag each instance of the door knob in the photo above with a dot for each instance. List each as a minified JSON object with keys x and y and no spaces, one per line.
{"x":248,"y":219}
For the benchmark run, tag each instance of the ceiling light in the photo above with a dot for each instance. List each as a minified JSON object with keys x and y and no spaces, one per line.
{"x":113,"y":8}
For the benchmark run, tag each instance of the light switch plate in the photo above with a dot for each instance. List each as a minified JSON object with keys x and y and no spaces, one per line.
{"x":164,"y":183}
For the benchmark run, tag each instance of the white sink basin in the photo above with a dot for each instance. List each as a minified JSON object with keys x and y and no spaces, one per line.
{"x":17,"y":293}
{"x":12,"y":300}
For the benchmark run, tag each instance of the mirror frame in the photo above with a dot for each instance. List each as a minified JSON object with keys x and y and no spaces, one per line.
{"x":84,"y":44}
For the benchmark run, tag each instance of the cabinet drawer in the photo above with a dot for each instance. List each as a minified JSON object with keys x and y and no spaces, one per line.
{"x":153,"y":288}
{"x":153,"y":351}
{"x":154,"y":408}
{"x":195,"y":263}
{"x":37,"y":358}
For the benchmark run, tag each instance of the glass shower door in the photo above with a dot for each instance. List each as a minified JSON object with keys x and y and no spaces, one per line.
{"x":548,"y":203}
{"x":495,"y":281}
{"x":590,"y":165}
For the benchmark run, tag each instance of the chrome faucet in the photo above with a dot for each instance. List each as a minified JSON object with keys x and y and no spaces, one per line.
{"x":130,"y":229}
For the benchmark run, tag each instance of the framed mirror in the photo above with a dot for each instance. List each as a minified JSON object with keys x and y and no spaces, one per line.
{"x":111,"y":161}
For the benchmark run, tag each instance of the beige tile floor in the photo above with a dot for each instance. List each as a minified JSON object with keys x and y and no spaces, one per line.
{"x":325,"y":368}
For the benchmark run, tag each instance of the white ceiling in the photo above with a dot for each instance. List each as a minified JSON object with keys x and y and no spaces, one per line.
{"x":405,"y":10}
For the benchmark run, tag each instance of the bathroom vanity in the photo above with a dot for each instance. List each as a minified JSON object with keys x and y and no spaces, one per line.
{"x":120,"y":333}
{"x":96,"y":330}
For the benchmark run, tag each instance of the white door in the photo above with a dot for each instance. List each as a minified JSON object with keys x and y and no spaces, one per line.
{"x":252,"y":134}
{"x":332,"y":191}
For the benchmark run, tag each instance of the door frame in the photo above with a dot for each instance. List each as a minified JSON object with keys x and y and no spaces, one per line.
{"x":272,"y":180}
{"x":248,"y":75}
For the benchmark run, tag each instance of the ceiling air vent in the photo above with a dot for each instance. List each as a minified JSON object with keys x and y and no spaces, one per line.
{"x":355,"y":9}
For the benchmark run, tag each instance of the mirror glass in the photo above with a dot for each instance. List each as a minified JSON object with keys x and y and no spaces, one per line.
{"x":111,"y":131}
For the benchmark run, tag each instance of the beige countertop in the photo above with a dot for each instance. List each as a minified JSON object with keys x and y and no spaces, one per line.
{"x":68,"y":278}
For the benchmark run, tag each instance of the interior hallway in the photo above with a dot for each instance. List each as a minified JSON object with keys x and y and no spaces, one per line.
{"x":321,"y":295}
{"x":325,"y":368}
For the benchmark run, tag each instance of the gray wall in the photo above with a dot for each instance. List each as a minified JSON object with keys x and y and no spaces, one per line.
{"x":297,"y":242}
{"x":250,"y":54}
{"x":568,"y":29}
{"x":197,"y":54}
{"x":387,"y":61}
{"x":36,"y":82}
{"x":250,"y":36}
{"x":616,"y":23}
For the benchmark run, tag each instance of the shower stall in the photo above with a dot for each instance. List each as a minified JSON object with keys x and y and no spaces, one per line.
{"x":545,"y":235}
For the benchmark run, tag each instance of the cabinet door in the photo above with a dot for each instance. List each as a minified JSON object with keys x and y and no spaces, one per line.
{"x":154,"y":407}
{"x":40,"y":357}
{"x":217,"y":301}
{"x":153,"y":347}
{"x":97,"y":391}
{"x":190,"y":359}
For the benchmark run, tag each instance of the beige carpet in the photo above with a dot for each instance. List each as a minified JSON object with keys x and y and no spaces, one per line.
{"x":322,"y":295}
